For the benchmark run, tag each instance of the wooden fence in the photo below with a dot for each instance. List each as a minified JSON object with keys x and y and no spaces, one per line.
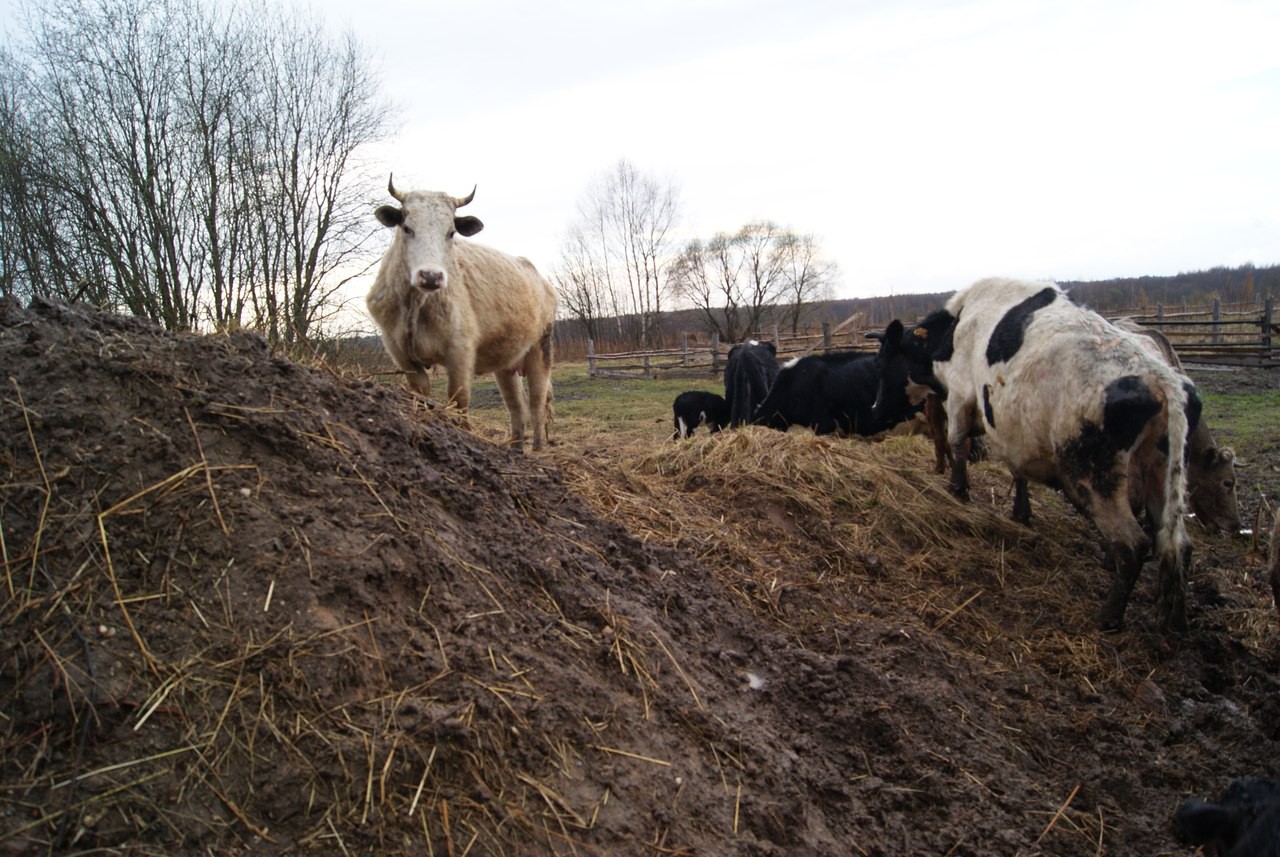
{"x":1242,"y":335}
{"x":1217,"y":335}
{"x":708,"y":360}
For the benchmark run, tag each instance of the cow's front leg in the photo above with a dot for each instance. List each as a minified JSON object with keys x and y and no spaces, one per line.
{"x":460,"y":388}
{"x":1021,"y":501}
{"x":419,"y":380}
{"x":513,"y":397}
{"x":959,"y":420}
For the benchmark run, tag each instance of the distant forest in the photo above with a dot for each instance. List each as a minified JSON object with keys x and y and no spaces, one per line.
{"x":1245,"y":284}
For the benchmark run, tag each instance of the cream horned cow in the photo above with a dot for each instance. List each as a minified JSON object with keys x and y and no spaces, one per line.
{"x":464,"y":306}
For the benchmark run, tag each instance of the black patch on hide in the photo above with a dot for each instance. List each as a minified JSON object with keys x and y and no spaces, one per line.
{"x":1007,"y":338}
{"x":1128,"y":407}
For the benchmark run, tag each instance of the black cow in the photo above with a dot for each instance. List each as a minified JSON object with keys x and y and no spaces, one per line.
{"x":748,"y":375}
{"x":694,"y":408}
{"x":833,"y":393}
{"x":1244,"y":823}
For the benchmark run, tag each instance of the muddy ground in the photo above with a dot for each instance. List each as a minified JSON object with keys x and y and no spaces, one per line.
{"x":252,"y":607}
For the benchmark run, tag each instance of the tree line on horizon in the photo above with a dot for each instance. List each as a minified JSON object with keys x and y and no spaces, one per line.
{"x":1245,"y":284}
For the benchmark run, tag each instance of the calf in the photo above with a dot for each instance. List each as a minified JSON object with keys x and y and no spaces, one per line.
{"x":1245,"y":822}
{"x":748,"y":375}
{"x":694,"y":408}
{"x":1066,"y":399}
{"x":465,"y":306}
{"x":830,"y":393}
{"x":1211,"y":472}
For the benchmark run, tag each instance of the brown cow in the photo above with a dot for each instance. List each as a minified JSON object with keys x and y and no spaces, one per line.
{"x":468,"y":307}
{"x":1211,"y":471}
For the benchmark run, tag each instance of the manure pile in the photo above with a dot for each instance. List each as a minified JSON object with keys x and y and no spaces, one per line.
{"x":252,"y":607}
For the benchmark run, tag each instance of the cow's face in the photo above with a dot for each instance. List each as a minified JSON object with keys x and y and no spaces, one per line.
{"x":426,"y":224}
{"x":1211,"y":489}
{"x":905,"y":374}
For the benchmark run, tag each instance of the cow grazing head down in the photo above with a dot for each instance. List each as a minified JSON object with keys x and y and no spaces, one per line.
{"x":1211,"y":486}
{"x":426,"y":224}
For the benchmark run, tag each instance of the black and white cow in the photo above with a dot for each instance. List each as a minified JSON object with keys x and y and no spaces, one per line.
{"x":831,"y":393}
{"x":748,"y":375}
{"x":694,"y":408}
{"x":1066,"y":399}
{"x":1244,"y":822}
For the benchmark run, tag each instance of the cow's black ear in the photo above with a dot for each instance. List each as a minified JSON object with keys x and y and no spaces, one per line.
{"x":389,"y":215}
{"x":893,"y":333}
{"x":467,"y":226}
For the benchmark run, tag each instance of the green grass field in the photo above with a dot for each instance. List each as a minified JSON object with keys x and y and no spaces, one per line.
{"x":631,"y":410}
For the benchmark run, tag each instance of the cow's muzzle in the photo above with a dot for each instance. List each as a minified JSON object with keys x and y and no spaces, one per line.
{"x":429,"y":281}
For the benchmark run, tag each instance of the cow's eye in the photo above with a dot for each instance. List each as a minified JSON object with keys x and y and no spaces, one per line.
{"x":408,"y":231}
{"x":452,"y":232}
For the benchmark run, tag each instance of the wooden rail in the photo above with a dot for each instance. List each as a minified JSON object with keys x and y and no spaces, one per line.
{"x":708,"y":360}
{"x":1245,"y":337}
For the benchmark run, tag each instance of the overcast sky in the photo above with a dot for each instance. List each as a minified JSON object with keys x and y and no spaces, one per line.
{"x":924,"y":143}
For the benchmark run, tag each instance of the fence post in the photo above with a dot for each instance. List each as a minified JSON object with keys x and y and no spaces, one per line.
{"x":1160,"y":317}
{"x":715,"y":352}
{"x":1268,"y":309}
{"x":1217,"y":320}
{"x":646,"y":366}
{"x":684,"y":350}
{"x":826,"y":336}
{"x":591,"y":358}
{"x":777,"y":343}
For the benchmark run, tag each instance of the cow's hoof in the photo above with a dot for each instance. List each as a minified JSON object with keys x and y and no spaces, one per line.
{"x":1110,"y":623}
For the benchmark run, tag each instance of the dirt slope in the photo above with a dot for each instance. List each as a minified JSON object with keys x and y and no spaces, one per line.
{"x":252,"y":607}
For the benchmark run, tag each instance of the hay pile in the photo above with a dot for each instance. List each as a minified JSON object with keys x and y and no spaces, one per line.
{"x":251,"y":607}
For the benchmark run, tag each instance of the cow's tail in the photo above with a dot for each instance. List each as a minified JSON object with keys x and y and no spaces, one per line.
{"x":1173,"y":547}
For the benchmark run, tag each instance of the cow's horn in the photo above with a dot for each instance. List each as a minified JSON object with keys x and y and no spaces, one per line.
{"x":391,"y":188}
{"x":458,"y":203}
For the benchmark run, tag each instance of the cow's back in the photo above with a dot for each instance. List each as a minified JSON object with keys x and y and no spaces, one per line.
{"x":503,"y":302}
{"x":1036,"y":370}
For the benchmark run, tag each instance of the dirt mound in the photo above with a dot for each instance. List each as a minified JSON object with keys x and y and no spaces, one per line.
{"x":251,"y":606}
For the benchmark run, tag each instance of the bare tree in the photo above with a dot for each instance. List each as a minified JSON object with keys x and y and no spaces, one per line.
{"x":736,"y":280}
{"x":807,"y":277}
{"x":199,"y":159}
{"x":621,"y":246}
{"x":708,"y":277}
{"x":318,"y":106}
{"x":582,"y":283}
{"x":34,"y":257}
{"x":761,"y":246}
